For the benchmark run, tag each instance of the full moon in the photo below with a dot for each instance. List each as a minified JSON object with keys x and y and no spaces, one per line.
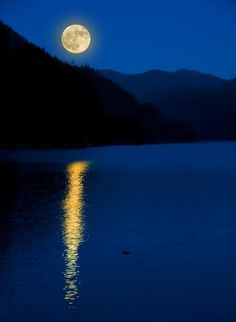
{"x":76,"y":39}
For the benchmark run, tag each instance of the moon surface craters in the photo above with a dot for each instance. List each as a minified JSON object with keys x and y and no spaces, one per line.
{"x":76,"y":39}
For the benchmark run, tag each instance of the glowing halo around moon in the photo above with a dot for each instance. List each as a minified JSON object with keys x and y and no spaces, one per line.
{"x":76,"y":39}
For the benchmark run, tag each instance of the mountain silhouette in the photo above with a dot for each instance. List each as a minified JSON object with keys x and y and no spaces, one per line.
{"x":203,"y":102}
{"x":46,"y":102}
{"x":156,"y":81}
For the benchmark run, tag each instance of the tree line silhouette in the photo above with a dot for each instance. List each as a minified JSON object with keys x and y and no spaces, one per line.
{"x":46,"y":102}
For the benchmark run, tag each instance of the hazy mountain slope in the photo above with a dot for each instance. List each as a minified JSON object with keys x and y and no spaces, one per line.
{"x":231,"y":84}
{"x":144,"y":84}
{"x":205,"y":103}
{"x":211,"y":113}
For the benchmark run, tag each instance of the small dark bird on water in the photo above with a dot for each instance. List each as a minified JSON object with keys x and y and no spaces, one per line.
{"x":125,"y":252}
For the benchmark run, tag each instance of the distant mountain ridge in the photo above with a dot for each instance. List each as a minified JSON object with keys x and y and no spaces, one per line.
{"x":205,"y":103}
{"x":141,"y":85}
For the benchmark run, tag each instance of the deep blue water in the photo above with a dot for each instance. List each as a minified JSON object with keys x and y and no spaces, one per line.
{"x":68,"y":216}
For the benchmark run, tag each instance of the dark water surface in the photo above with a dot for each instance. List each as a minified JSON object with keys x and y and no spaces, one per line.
{"x":119,"y":234}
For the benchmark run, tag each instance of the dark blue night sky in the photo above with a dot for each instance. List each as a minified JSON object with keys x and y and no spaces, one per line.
{"x":134,"y":36}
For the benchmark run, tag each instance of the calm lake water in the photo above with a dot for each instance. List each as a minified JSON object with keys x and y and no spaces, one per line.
{"x":119,"y":234}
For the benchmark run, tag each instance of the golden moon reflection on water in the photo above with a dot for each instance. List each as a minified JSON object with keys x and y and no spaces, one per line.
{"x":76,"y":39}
{"x":73,"y":227}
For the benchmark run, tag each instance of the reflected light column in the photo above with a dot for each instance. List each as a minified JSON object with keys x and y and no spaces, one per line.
{"x":73,"y":226}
